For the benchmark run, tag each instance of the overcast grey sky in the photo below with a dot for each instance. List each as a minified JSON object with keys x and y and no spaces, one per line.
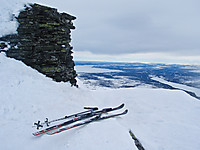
{"x":112,"y":27}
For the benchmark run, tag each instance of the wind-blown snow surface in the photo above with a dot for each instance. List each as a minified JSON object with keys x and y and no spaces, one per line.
{"x":8,"y":10}
{"x":161,"y":119}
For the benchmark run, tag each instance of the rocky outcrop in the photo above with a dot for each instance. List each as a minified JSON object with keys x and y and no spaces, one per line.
{"x":137,"y":142}
{"x":43,"y":42}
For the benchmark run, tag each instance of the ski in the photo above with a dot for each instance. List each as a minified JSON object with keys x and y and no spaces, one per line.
{"x":78,"y":118}
{"x":96,"y":118}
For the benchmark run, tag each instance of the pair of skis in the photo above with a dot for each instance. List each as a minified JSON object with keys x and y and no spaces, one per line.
{"x":93,"y":114}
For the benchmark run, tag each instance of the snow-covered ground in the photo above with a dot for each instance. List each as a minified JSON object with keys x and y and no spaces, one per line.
{"x":160,"y":119}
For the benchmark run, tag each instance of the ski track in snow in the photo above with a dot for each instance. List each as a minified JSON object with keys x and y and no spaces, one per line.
{"x":161,"y":119}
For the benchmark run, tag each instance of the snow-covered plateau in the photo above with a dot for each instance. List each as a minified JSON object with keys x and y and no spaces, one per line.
{"x":159,"y":118}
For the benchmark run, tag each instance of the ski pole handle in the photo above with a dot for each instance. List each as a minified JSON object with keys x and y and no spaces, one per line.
{"x":91,"y":108}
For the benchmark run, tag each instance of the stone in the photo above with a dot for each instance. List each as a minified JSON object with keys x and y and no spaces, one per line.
{"x":43,"y":42}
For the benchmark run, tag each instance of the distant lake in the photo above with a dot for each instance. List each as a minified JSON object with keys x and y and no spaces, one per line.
{"x":127,"y":75}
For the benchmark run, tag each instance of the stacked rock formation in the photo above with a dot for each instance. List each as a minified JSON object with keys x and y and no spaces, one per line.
{"x":43,"y":41}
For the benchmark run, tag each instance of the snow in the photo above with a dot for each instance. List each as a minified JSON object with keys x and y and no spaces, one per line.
{"x":28,"y":96}
{"x":8,"y":10}
{"x":160,"y":118}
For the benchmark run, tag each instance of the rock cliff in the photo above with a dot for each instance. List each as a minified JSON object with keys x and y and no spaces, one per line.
{"x":43,"y":42}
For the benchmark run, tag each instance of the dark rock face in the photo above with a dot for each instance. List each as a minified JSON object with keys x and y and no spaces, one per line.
{"x":43,"y":41}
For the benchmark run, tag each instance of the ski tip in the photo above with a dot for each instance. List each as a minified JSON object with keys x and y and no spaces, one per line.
{"x":34,"y":134}
{"x":126,"y":111}
{"x":122,"y":105}
{"x":37,"y":135}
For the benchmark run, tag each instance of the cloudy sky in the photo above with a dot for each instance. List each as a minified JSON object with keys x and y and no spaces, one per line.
{"x":134,"y":30}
